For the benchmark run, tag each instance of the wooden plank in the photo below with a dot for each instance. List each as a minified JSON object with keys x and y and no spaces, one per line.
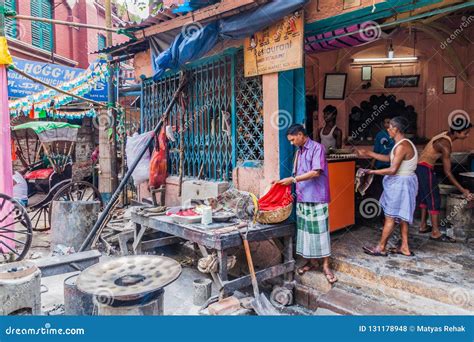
{"x":170,"y":240}
{"x":212,"y":238}
{"x":220,"y":10}
{"x":229,"y":287}
{"x":61,"y":264}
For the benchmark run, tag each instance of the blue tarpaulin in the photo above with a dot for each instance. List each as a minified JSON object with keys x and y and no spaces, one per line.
{"x":195,"y":41}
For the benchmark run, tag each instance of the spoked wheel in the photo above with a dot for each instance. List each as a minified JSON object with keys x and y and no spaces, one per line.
{"x":16,"y":232}
{"x":76,"y":191}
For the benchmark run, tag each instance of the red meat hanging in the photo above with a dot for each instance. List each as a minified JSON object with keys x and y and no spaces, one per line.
{"x":278,"y":197}
{"x":158,"y":162}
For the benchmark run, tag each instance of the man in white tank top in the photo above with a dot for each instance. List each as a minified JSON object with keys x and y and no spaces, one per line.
{"x":330,"y":135}
{"x":400,"y":185}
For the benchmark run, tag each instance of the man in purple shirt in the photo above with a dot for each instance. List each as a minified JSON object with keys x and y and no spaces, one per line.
{"x":310,"y":175}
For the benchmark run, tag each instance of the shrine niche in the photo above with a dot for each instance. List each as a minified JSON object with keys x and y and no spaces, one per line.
{"x":366,"y":120}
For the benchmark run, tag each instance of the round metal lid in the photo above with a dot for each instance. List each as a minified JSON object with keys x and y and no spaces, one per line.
{"x":129,"y":277}
{"x":17,"y":270}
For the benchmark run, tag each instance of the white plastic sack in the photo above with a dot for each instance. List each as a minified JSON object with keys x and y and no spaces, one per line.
{"x":134,"y":144}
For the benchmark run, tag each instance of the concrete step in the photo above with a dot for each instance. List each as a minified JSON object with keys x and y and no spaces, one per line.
{"x":353,"y":296}
{"x":400,"y":287}
{"x":339,"y":301}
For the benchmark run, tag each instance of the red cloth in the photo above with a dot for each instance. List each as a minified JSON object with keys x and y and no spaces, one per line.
{"x":278,"y":197}
{"x":158,"y":162}
{"x":39,"y":174}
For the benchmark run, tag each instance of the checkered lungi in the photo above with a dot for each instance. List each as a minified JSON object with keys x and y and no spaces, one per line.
{"x":312,"y":237}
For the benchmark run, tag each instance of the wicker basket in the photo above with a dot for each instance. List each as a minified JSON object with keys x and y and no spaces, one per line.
{"x":275,"y":216}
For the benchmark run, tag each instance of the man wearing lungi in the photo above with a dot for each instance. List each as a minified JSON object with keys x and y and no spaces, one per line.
{"x":310,"y":175}
{"x":429,"y":198}
{"x":400,"y":187}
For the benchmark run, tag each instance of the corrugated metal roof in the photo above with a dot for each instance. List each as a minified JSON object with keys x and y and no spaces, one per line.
{"x":141,"y":43}
{"x":162,"y":16}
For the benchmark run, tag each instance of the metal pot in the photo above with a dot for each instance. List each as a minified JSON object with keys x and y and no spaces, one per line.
{"x":459,"y":157}
{"x":467,"y":180}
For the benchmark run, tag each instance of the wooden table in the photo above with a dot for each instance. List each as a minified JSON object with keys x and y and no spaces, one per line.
{"x":221,"y":237}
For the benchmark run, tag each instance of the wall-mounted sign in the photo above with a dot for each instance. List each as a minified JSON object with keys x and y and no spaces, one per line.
{"x":449,"y":85}
{"x":277,"y":48}
{"x":409,"y":81}
{"x":53,"y":74}
{"x":335,"y":86}
{"x":350,"y":3}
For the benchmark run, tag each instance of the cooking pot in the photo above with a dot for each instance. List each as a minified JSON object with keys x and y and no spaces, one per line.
{"x":467,"y":180}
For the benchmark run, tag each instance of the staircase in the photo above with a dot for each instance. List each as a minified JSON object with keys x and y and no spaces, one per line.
{"x":437,"y":281}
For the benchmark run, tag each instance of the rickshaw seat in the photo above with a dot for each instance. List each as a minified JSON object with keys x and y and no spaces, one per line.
{"x":39,"y":174}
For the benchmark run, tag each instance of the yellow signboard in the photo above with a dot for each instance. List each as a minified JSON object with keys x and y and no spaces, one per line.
{"x":277,"y":48}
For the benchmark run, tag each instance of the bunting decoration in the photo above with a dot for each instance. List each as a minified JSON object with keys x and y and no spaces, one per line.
{"x":43,"y":101}
{"x":72,"y":115}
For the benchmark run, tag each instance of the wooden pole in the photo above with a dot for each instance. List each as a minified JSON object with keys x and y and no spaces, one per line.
{"x":67,"y":23}
{"x":112,"y":98}
{"x":24,"y":74}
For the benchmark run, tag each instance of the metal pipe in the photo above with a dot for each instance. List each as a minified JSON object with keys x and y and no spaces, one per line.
{"x":67,"y":23}
{"x":103,"y":216}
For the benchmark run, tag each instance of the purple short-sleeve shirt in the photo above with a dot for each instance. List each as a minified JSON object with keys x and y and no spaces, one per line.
{"x":312,"y":157}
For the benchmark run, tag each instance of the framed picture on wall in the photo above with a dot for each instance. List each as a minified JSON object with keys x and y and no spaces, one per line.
{"x":366,"y":73}
{"x":449,"y":85}
{"x":410,"y":81}
{"x":335,"y":86}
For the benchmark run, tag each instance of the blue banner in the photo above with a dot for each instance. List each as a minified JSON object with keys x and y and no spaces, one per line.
{"x":238,"y":329}
{"x":53,"y":74}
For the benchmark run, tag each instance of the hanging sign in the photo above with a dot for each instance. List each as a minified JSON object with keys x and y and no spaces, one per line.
{"x":53,"y":74}
{"x":277,"y":48}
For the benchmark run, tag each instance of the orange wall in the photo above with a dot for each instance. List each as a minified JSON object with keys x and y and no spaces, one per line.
{"x":433,"y":107}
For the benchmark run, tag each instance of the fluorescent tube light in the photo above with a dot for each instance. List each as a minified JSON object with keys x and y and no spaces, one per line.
{"x":386,"y":60}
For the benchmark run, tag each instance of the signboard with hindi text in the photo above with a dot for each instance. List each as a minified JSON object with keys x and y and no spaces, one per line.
{"x":277,"y":48}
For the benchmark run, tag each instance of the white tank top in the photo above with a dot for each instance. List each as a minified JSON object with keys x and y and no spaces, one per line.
{"x":407,"y":167}
{"x":328,"y":140}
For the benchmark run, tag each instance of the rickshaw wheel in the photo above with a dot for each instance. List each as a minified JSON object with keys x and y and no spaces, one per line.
{"x":76,"y":191}
{"x":16,"y":233}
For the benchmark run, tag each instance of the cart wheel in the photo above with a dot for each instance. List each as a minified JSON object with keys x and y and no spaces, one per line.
{"x":76,"y":191}
{"x":16,"y":232}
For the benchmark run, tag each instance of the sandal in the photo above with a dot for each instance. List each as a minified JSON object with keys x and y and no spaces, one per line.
{"x":443,"y":238}
{"x":427,"y":230}
{"x":305,"y":268}
{"x":399,"y":252}
{"x":330,"y":277}
{"x":374,"y":251}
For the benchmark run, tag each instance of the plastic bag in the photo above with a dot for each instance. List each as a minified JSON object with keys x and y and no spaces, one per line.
{"x":158,"y":163}
{"x":134,"y":144}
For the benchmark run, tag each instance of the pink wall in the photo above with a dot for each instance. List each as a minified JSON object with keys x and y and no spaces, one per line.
{"x":432,"y":106}
{"x":74,"y":44}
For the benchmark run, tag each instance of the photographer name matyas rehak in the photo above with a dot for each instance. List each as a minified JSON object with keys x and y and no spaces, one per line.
{"x":438,"y":329}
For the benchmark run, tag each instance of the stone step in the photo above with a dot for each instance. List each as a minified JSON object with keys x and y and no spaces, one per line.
{"x":340,"y":301}
{"x":353,"y":296}
{"x":400,"y":286}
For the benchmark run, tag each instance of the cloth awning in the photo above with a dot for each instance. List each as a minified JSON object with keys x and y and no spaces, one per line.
{"x":357,"y":27}
{"x":49,"y":131}
{"x":195,"y":41}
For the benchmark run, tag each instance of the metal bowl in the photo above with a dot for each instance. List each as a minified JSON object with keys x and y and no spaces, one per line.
{"x":222,"y":217}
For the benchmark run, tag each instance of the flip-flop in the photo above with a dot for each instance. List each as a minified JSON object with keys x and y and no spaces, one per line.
{"x":399,"y":252}
{"x":304,"y":269}
{"x":374,"y":251}
{"x":428,"y":229}
{"x":443,"y":238}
